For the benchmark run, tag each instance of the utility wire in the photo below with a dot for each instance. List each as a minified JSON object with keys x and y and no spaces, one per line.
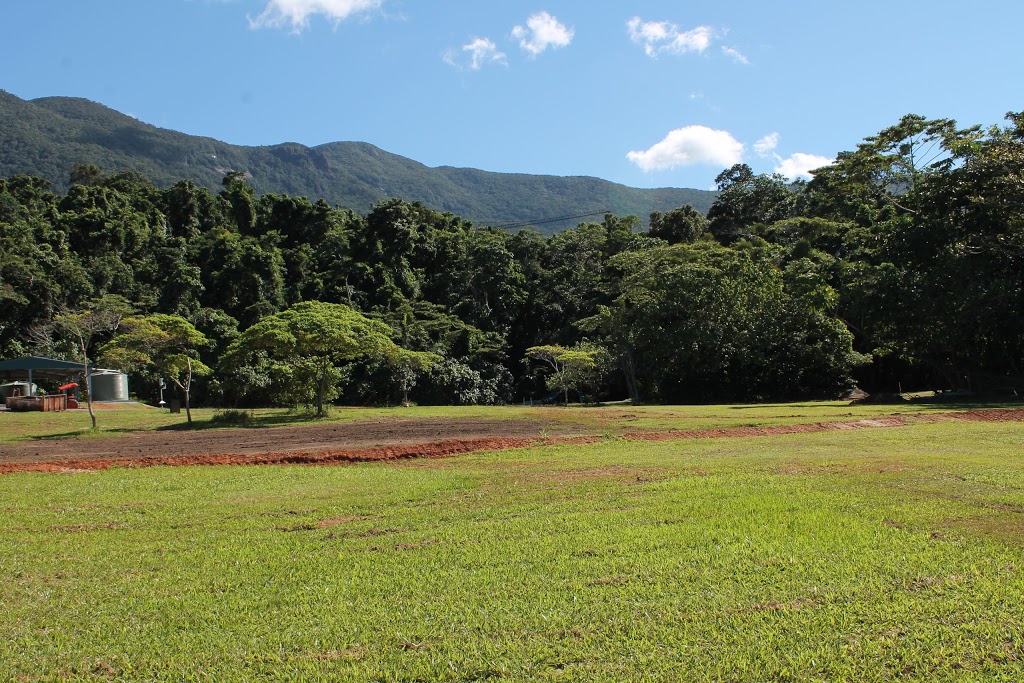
{"x":523,"y":224}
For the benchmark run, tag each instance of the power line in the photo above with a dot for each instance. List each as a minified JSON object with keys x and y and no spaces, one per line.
{"x":523,"y":224}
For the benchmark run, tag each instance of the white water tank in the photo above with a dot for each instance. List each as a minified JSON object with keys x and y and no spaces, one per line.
{"x":17,"y":388}
{"x":109,"y":385}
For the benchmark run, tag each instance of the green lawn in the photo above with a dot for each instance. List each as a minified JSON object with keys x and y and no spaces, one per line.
{"x":870,"y":555}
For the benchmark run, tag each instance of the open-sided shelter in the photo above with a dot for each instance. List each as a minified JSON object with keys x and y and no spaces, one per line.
{"x":32,"y":368}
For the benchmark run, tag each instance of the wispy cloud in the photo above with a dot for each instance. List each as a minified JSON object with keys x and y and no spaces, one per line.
{"x":800,"y":165}
{"x":297,"y":13}
{"x":735,"y":55}
{"x":660,"y":37}
{"x":766,"y":145}
{"x":688,"y":146}
{"x":475,"y":54}
{"x":542,"y":31}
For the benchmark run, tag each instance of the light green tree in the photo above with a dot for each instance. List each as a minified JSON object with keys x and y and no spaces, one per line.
{"x":311,"y":340}
{"x":409,"y":365}
{"x":166,"y":344}
{"x":571,"y":368}
{"x":99,"y":316}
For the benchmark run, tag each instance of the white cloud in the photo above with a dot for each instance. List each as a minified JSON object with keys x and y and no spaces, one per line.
{"x":801,"y":164}
{"x":541,"y":32}
{"x":766,"y":145}
{"x":296,"y":13}
{"x":661,"y":36}
{"x":477,"y":52}
{"x":690,"y":145}
{"x":735,"y":54}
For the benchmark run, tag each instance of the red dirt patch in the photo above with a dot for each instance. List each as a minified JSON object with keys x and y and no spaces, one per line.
{"x":400,"y":452}
{"x":274,"y":444}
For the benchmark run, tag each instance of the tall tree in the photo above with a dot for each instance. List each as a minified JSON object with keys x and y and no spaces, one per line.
{"x":682,"y":225}
{"x":704,"y":322}
{"x":99,"y":316}
{"x":745,"y":199}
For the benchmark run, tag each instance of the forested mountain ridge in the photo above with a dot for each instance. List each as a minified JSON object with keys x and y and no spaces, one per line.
{"x":47,"y":136}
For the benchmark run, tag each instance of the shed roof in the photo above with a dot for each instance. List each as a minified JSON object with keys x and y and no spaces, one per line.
{"x":51,"y":368}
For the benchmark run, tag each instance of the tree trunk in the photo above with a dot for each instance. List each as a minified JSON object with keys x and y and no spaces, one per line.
{"x":88,"y":383}
{"x":321,"y":384}
{"x":88,"y":395}
{"x":188,"y":393}
{"x":628,"y":365}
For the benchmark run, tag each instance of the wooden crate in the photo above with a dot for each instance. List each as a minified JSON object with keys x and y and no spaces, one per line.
{"x":47,"y":404}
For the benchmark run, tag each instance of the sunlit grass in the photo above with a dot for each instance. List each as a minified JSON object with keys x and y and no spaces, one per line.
{"x":869,"y":555}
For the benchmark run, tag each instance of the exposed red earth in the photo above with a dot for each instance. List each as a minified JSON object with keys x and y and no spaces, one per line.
{"x":369,"y":441}
{"x":332,"y":442}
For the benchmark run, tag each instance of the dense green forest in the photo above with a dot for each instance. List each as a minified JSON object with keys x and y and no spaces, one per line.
{"x":47,"y":136}
{"x":902,"y":264}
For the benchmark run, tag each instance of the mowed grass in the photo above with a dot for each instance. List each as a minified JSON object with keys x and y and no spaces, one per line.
{"x":869,"y":555}
{"x":613,"y":420}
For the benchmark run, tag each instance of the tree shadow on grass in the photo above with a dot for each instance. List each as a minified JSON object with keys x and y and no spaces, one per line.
{"x":252,"y":422}
{"x":940,"y":403}
{"x":87,"y":433}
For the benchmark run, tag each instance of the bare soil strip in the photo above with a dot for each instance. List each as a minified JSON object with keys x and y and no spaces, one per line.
{"x":250,"y":446}
{"x":256,"y":441}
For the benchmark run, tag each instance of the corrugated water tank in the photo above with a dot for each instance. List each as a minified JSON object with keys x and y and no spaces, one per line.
{"x":109,"y":385}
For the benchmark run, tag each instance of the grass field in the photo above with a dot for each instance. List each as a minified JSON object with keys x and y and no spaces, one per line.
{"x":869,"y":555}
{"x":113,"y":420}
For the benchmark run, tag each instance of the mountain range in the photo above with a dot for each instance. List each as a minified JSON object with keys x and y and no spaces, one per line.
{"x":45,"y":137}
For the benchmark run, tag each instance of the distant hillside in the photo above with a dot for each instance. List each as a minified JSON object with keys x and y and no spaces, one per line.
{"x":45,"y":137}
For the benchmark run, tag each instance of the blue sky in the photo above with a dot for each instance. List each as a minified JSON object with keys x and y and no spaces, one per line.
{"x":648,"y":93}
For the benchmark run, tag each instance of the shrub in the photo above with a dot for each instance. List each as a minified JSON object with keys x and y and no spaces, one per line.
{"x":232,"y":417}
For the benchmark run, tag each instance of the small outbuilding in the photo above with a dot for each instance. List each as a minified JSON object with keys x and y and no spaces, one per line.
{"x":22,"y":373}
{"x":32,"y":368}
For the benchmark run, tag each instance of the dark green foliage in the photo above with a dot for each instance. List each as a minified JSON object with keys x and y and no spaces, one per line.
{"x":683,"y":225}
{"x":705,"y":323}
{"x":908,"y":252}
{"x":745,"y":200}
{"x":935,"y":276}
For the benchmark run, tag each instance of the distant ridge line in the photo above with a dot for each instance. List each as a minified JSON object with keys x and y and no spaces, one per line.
{"x":46,"y":137}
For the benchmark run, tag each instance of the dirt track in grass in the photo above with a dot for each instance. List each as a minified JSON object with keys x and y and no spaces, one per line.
{"x":370,"y":441}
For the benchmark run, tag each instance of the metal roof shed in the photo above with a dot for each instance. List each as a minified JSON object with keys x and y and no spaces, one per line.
{"x":39,"y":368}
